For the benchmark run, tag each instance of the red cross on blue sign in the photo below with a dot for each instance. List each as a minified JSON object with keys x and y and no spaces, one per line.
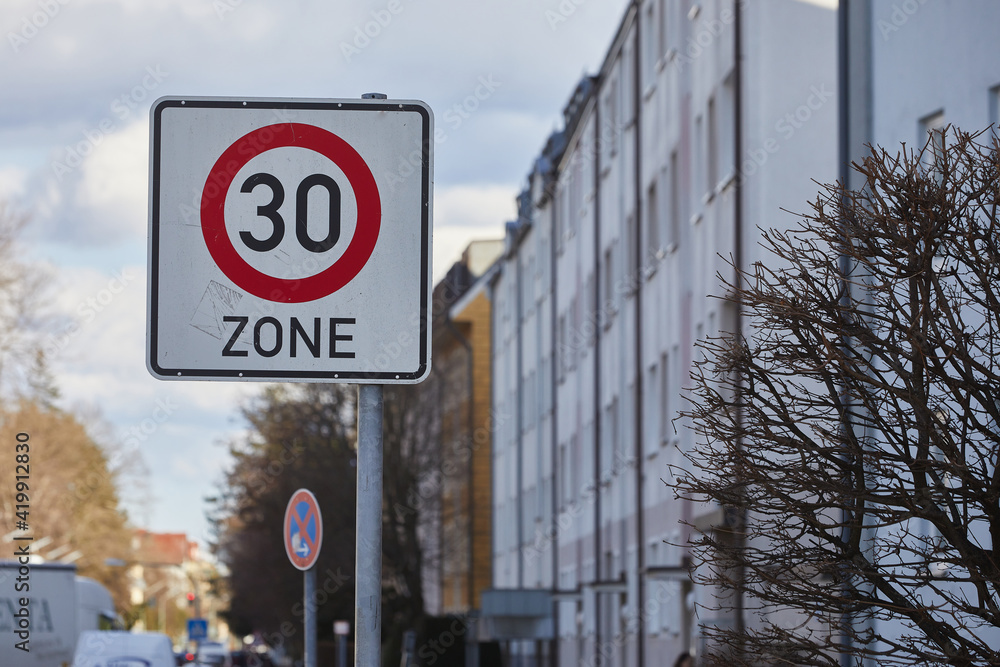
{"x":303,"y":530}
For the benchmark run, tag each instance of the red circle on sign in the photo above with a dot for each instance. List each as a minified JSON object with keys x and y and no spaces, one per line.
{"x":303,"y":554}
{"x":213,"y":217}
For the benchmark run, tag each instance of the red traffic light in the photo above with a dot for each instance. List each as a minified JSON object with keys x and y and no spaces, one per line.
{"x":190,"y":597}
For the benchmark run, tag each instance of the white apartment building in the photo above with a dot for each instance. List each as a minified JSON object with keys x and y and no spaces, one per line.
{"x":705,"y":120}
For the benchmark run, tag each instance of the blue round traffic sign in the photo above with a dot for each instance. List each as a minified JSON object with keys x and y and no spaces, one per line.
{"x":303,"y":529}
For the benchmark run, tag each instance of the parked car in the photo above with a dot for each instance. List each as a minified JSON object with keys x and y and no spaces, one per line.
{"x":117,"y":648}
{"x":214,"y":654}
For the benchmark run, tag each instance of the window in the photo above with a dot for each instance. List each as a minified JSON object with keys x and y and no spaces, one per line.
{"x":588,"y":324}
{"x":613,"y":422}
{"x":547,"y":371}
{"x":661,"y":28}
{"x":651,"y":411}
{"x":610,"y":133}
{"x":726,"y":143}
{"x":995,"y":106}
{"x":627,"y":78}
{"x":561,"y":352}
{"x":712,"y":148}
{"x":699,"y":156}
{"x":665,"y":415}
{"x":525,"y":403}
{"x":527,"y":287}
{"x":532,"y":392}
{"x":674,"y":24}
{"x":631,"y":270}
{"x":631,"y":428}
{"x":574,"y":334}
{"x":609,"y":305}
{"x":576,"y":185}
{"x":574,"y":467}
{"x":607,"y":441}
{"x":560,"y":211}
{"x":652,"y":219}
{"x":649,"y":39}
{"x":546,"y":260}
{"x":932,"y":134}
{"x":673,"y":222}
{"x":673,"y":400}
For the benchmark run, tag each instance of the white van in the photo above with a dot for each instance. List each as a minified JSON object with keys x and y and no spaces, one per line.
{"x":62,"y":605}
{"x":115,"y":648}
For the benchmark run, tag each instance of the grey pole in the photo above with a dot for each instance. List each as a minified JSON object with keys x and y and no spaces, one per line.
{"x":368,"y":559}
{"x":341,"y":651}
{"x":309,"y":595}
{"x":368,"y":588}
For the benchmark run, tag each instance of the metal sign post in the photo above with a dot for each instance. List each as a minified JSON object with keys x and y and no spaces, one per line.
{"x":290,"y":240}
{"x":368,"y":588}
{"x":309,"y":595}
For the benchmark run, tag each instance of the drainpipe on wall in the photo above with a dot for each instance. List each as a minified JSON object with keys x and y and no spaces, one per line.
{"x":519,"y":425}
{"x":597,"y":354}
{"x":855,"y":96}
{"x":639,"y":279}
{"x":554,"y":426}
{"x":843,"y":174}
{"x":597,"y":374}
{"x":740,"y":620}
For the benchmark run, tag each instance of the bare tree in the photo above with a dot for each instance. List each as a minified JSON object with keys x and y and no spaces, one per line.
{"x":852,"y":431}
{"x":21,"y":288}
{"x":411,"y":515}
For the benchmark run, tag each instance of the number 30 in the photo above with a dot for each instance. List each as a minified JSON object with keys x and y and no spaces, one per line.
{"x":270,"y":211}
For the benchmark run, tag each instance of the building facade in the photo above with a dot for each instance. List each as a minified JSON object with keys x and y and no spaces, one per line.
{"x":169,"y":583}
{"x":705,"y":121}
{"x":454,"y":423}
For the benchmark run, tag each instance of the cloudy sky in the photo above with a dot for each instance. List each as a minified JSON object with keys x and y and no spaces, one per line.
{"x":77,"y":78}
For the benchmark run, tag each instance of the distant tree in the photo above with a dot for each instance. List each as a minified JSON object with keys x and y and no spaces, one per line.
{"x":72,"y":492}
{"x":21,"y":289}
{"x":300,"y":436}
{"x":853,"y":432}
{"x":41,"y":383}
{"x":305,"y":436}
{"x":411,"y":490}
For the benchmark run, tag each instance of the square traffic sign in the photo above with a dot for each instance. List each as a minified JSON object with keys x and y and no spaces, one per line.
{"x":290,"y":240}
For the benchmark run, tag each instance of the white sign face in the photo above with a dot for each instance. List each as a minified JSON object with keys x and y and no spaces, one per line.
{"x":290,"y":240}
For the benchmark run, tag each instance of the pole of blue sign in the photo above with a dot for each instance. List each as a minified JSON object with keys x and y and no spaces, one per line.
{"x":368,"y":584}
{"x":309,"y":600}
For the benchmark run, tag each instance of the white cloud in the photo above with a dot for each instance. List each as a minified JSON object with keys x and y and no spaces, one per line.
{"x":468,"y":213}
{"x":12,"y":182}
{"x":485,"y":206}
{"x":114,"y":181}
